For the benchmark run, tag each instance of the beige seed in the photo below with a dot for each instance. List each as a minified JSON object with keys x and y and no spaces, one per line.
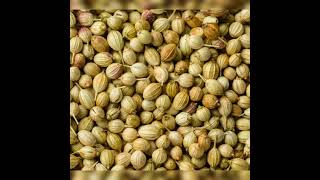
{"x":176,"y":153}
{"x":114,"y":141}
{"x":225,"y":107}
{"x":239,"y":164}
{"x":87,"y":152}
{"x":92,"y":69}
{"x":116,"y":95}
{"x":86,"y":124}
{"x":86,"y":98}
{"x":149,"y":132}
{"x":123,"y":159}
{"x":107,"y":158}
{"x":129,"y":134}
{"x":175,"y":138}
{"x":226,"y":150}
{"x":183,"y":119}
{"x":213,"y":157}
{"x":116,"y":126}
{"x":128,"y":104}
{"x":138,"y":159}
{"x":230,"y":138}
{"x":152,"y":91}
{"x":99,"y":83}
{"x":243,"y":124}
{"x":189,"y":139}
{"x":159,"y":156}
{"x":99,"y":134}
{"x":239,"y":86}
{"x":211,"y":70}
{"x":86,"y":138}
{"x":186,"y":80}
{"x":141,"y":144}
{"x":195,"y":150}
{"x":97,"y":113}
{"x":115,"y":40}
{"x":233,"y":46}
{"x":161,"y":74}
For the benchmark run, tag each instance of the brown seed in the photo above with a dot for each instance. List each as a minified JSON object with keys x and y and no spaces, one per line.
{"x":148,"y":15}
{"x":176,"y":153}
{"x":171,"y":37}
{"x":229,"y":73}
{"x":211,"y":31}
{"x":168,"y":52}
{"x":157,"y":38}
{"x":204,"y":141}
{"x":114,"y":70}
{"x":198,"y":31}
{"x":79,"y":60}
{"x":189,"y":17}
{"x":181,"y":67}
{"x":99,"y":43}
{"x":196,"y":94}
{"x":195,"y":150}
{"x":210,"y":101}
{"x":191,"y":108}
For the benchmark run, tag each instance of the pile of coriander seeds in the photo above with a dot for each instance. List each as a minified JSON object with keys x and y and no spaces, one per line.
{"x":160,"y":89}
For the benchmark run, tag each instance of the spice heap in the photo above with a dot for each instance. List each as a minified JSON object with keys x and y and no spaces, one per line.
{"x":160,"y":90}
